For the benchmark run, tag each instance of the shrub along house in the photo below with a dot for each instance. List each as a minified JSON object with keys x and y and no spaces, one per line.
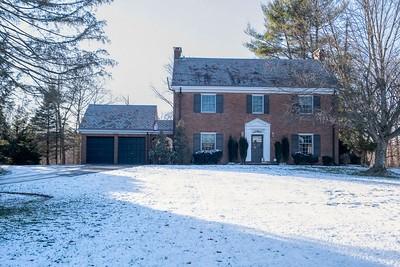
{"x":120,"y":134}
{"x":261,"y":99}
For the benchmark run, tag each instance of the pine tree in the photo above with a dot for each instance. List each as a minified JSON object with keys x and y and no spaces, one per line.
{"x":182,"y":153}
{"x":44,"y":122}
{"x":22,"y":147}
{"x":293,"y":28}
{"x":4,"y":138}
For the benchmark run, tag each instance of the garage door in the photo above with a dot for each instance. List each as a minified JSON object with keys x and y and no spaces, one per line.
{"x":131,"y":150}
{"x":100,"y":150}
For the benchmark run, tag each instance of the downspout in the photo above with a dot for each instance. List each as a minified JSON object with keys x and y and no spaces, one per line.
{"x":147,"y":147}
{"x":180,"y":103}
{"x":333,"y":129}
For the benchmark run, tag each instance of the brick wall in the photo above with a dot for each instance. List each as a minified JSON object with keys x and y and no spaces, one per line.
{"x":232,"y":120}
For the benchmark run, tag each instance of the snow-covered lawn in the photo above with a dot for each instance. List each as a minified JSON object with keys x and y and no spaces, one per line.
{"x":203,"y":216}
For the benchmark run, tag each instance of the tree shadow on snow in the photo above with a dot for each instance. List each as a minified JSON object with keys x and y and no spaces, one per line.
{"x":99,"y":229}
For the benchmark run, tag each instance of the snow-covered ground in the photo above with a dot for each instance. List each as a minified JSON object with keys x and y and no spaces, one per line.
{"x":202,"y":216}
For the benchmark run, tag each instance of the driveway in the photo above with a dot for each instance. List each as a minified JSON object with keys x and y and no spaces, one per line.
{"x":22,"y":174}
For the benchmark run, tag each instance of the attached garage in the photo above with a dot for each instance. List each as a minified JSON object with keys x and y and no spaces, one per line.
{"x":120,"y":134}
{"x":99,"y":150}
{"x":131,"y":150}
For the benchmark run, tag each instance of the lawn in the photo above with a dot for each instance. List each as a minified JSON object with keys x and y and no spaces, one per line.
{"x":202,"y":216}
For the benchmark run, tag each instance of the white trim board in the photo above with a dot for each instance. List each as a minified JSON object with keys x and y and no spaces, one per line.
{"x":255,"y":90}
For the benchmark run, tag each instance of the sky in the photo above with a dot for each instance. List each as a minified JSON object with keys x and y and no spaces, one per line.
{"x":144,"y":32}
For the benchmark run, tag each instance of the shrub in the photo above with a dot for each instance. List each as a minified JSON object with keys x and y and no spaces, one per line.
{"x":207,"y":156}
{"x":344,"y":159}
{"x":285,"y":149}
{"x":162,"y":152}
{"x":182,"y":153}
{"x":278,"y":151}
{"x":328,"y":161}
{"x":232,"y":149}
{"x":304,"y":159}
{"x":243,"y":146}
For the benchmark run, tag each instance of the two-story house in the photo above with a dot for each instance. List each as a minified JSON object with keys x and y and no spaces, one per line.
{"x":261,"y":99}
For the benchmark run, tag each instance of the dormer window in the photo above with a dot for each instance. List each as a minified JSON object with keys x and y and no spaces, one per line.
{"x":208,"y":103}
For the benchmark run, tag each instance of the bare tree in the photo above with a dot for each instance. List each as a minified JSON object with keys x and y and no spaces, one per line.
{"x":365,"y":55}
{"x":41,"y":41}
{"x":165,"y":95}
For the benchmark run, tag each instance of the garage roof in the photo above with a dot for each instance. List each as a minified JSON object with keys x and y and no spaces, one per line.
{"x":120,"y":118}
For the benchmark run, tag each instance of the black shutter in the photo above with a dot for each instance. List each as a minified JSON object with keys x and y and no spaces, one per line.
{"x":249,"y":104}
{"x":196,"y":142}
{"x":317,"y":145}
{"x":317,"y":102}
{"x":266,"y":104}
{"x":220,"y":103}
{"x":197,"y":103}
{"x":294,"y":144}
{"x":220,"y":141}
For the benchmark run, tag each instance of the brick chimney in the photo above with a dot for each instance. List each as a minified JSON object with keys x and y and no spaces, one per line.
{"x":177,"y":52}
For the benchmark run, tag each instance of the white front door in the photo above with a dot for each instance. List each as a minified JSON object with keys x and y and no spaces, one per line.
{"x":258,"y":127}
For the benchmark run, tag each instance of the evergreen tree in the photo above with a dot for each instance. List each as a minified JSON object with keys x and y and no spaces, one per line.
{"x":293,"y":28}
{"x":285,"y":149}
{"x":22,"y":147}
{"x":4,"y":137}
{"x":232,"y":149}
{"x":278,"y":151}
{"x":243,"y":146}
{"x":162,"y":152}
{"x":44,"y":123}
{"x":182,"y":153}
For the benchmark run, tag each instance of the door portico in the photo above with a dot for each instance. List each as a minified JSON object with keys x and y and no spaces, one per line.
{"x":258,"y":127}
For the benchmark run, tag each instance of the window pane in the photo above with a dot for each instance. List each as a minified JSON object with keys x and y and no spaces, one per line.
{"x":306,"y":104}
{"x":208,"y":103}
{"x":207,"y":141}
{"x":257,"y":104}
{"x":305,"y":144}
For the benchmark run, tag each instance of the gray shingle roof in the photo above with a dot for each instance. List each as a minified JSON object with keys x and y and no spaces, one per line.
{"x":251,"y":73}
{"x":119,"y":117}
{"x":165,"y":125}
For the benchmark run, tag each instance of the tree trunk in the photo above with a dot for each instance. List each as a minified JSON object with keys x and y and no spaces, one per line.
{"x":62,"y":144}
{"x":379,"y":167}
{"x":48,"y":146}
{"x":380,"y":155}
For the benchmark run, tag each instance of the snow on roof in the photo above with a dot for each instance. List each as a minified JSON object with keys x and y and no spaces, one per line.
{"x":305,"y":73}
{"x":119,"y":117}
{"x":165,"y":125}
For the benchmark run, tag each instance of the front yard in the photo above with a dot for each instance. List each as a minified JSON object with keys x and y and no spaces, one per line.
{"x":202,"y":216}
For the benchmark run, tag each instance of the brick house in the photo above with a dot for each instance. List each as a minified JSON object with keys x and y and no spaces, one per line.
{"x":120,"y":134}
{"x":261,"y":99}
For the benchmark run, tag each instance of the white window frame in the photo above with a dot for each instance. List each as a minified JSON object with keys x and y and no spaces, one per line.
{"x":208,"y":133}
{"x":215,"y":103}
{"x":312,"y":141}
{"x":312,"y":104}
{"x":252,"y":105}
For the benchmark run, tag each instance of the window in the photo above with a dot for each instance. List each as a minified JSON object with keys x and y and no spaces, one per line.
{"x":257,"y":104}
{"x":306,"y":104}
{"x":208,"y":103}
{"x":208,"y":141}
{"x":306,"y":143}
